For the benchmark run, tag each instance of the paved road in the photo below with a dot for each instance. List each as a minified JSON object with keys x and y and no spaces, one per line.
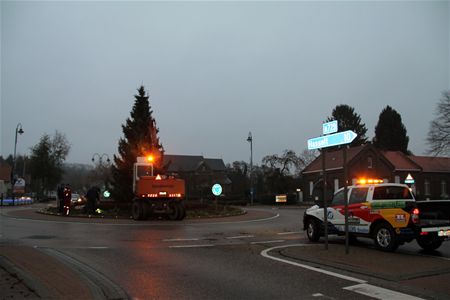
{"x":231,"y":258}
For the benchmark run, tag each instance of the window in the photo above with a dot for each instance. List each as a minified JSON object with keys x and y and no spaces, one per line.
{"x":369,"y":162}
{"x":144,"y":171}
{"x":338,"y":199}
{"x":336,"y":184}
{"x":397,"y":179}
{"x":443,"y":189}
{"x":358,"y":195}
{"x":391,"y":192}
{"x":311,"y":187}
{"x":427,"y":187}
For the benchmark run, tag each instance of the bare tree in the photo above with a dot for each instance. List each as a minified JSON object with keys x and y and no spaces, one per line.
{"x":289,"y":162}
{"x":439,"y":133}
{"x":305,"y":158}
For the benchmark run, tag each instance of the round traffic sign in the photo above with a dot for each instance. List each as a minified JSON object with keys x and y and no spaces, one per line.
{"x":106,"y":194}
{"x":216,"y":189}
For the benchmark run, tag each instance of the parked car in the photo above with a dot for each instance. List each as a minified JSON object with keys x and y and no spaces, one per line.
{"x":77,"y":199}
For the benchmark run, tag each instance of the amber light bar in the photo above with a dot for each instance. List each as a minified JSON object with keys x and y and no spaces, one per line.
{"x":370,"y":181}
{"x":161,"y":194}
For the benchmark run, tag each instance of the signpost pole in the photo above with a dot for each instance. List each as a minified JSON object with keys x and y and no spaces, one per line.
{"x":325,"y":206}
{"x":344,"y":153}
{"x":333,"y":138}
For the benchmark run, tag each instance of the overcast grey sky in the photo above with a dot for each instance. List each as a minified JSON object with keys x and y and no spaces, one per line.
{"x":217,"y":70}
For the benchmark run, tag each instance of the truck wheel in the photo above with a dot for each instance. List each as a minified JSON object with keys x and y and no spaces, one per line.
{"x":312,"y":230}
{"x":384,"y":237}
{"x":174,"y":214}
{"x":181,"y":211}
{"x":429,"y":243}
{"x":137,"y":210}
{"x":146,"y":211}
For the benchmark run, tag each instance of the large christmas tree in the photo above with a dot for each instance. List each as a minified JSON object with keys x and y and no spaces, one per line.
{"x":140,"y":139}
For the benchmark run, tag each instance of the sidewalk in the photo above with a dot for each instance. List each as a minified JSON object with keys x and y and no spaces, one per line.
{"x":29,"y":273}
{"x":425,"y":275}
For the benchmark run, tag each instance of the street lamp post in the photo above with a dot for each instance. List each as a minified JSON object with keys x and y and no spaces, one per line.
{"x":100,"y":158}
{"x":19,"y":130}
{"x":250,"y":140}
{"x":102,"y":167}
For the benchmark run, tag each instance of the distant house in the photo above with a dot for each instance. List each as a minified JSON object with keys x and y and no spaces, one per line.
{"x":5,"y":178}
{"x":199,"y":173}
{"x":431,"y":174}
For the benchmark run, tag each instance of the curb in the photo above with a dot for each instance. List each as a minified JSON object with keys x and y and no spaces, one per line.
{"x":33,"y":285}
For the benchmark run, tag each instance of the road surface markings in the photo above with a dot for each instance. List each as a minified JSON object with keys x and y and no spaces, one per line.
{"x":97,"y":247}
{"x":181,"y":240}
{"x":265,"y":254}
{"x":289,"y":232}
{"x":191,"y":246}
{"x":378,"y":292}
{"x":267,"y":242}
{"x":240,"y":237}
{"x":361,"y":288}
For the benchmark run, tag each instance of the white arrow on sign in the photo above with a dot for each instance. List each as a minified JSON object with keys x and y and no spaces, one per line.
{"x":331,"y":140}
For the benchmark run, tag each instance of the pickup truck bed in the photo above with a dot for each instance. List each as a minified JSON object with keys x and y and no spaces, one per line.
{"x":434,"y":210}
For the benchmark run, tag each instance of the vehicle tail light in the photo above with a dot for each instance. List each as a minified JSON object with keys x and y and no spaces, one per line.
{"x":415,"y":215}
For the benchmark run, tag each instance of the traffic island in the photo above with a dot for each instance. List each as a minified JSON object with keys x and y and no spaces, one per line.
{"x":197,"y":211}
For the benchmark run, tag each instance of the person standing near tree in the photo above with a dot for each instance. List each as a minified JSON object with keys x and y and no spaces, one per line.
{"x":92,"y":196}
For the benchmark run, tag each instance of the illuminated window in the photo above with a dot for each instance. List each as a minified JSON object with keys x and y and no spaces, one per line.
{"x":336,"y":184}
{"x":397,"y":179}
{"x":311,"y":187}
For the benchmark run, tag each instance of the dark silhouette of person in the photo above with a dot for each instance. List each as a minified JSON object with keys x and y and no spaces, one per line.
{"x":60,"y":194}
{"x":92,"y":196}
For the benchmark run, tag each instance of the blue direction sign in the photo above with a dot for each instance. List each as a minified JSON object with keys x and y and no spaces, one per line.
{"x":330,"y":127}
{"x":331,"y":140}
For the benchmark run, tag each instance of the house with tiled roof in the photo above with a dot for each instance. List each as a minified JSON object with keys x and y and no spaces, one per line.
{"x":431,"y":174}
{"x":5,"y":178}
{"x":199,"y":173}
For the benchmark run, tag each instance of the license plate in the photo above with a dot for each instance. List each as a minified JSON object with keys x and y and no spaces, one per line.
{"x":444,"y":233}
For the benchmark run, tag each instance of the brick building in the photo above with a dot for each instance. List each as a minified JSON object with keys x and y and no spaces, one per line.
{"x":199,"y":173}
{"x":431,"y":174}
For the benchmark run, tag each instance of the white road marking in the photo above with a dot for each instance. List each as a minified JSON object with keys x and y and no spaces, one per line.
{"x":362,"y":288}
{"x":267,"y":242}
{"x":340,"y":276}
{"x":240,"y":237}
{"x":98,"y":247}
{"x":191,"y":246}
{"x":181,"y":240}
{"x":289,"y":232}
{"x":317,"y":295}
{"x":379,"y":293}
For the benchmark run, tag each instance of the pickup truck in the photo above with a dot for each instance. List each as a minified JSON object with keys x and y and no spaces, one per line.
{"x":387,"y":213}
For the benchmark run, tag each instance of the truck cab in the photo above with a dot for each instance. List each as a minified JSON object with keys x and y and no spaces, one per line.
{"x":156,"y":195}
